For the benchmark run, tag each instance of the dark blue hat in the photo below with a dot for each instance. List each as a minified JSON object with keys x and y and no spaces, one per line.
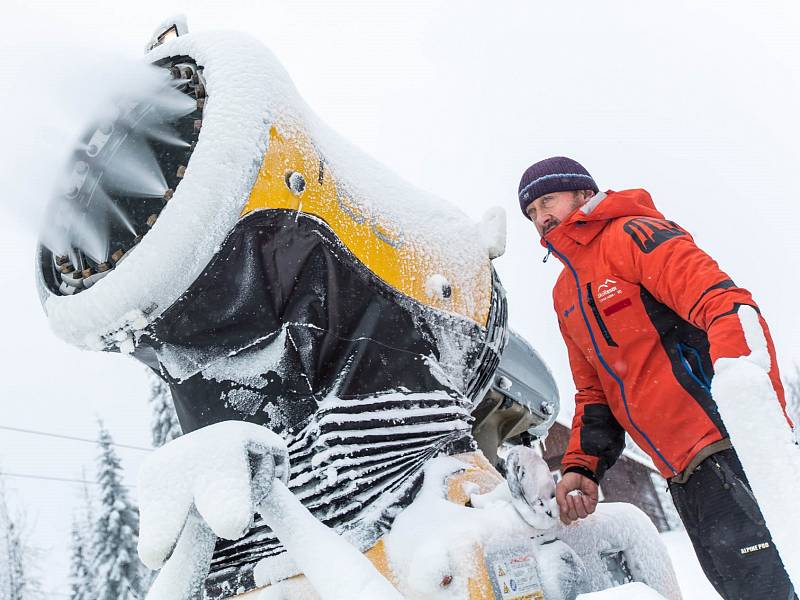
{"x":556,"y":174}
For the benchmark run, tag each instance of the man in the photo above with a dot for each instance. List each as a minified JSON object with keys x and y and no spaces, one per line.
{"x":645,"y":314}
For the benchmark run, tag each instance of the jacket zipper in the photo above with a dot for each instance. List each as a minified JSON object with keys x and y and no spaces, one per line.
{"x":602,"y":360}
{"x":600,"y":323}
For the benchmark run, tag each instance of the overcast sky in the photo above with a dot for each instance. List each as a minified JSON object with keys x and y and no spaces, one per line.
{"x":696,"y":102}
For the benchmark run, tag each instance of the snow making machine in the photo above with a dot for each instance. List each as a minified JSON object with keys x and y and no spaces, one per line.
{"x":279,"y":279}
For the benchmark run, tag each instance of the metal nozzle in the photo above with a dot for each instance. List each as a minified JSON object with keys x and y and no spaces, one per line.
{"x":72,"y":279}
{"x":151,"y":220}
{"x":181,"y":171}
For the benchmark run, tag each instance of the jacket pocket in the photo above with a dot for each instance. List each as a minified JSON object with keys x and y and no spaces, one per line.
{"x":693,"y":364}
{"x":738,"y":489}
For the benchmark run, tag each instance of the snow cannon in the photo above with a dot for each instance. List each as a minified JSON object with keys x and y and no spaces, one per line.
{"x":279,"y":279}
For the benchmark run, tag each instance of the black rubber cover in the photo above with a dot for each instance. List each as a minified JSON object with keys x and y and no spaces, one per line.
{"x":347,"y":334}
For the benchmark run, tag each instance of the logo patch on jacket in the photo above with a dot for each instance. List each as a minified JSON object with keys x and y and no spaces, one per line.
{"x":568,"y":311}
{"x":607,"y":290}
{"x":649,"y":233}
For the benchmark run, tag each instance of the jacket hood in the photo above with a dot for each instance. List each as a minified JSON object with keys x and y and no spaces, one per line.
{"x":583,"y":225}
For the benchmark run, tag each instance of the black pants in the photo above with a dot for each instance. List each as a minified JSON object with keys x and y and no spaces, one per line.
{"x":728,"y":533}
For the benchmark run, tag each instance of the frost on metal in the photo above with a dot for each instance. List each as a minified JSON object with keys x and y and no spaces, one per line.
{"x":354,"y":467}
{"x":614,"y":527}
{"x":248,"y":92}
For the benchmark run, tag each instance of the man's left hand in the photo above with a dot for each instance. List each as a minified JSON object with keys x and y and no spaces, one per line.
{"x":577,"y":497}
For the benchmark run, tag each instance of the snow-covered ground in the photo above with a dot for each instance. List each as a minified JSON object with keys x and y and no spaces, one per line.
{"x":694,"y":584}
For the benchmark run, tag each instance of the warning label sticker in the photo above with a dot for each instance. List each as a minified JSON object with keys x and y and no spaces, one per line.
{"x":514,"y":574}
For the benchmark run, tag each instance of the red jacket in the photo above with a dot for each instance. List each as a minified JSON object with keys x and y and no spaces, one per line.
{"x":644,"y":314}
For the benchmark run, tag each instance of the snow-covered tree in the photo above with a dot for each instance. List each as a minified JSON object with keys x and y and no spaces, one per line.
{"x":116,"y":566}
{"x":12,"y":568}
{"x":164,"y":422}
{"x":80,"y":571}
{"x":16,"y":580}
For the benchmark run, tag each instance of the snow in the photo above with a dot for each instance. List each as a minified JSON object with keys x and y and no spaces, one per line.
{"x":532,"y":489}
{"x":248,"y":91}
{"x":184,"y":574}
{"x":336,"y":569}
{"x":218,"y":180}
{"x":209,"y":483}
{"x":435,"y":537}
{"x":693,"y":582}
{"x":210,"y":470}
{"x":614,"y":527}
{"x":762,"y":438}
{"x":493,"y":231}
{"x":437,"y":286}
{"x":250,"y":366}
{"x":629,"y":591}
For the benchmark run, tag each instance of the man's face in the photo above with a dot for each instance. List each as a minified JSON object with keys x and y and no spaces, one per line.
{"x":549,"y":210}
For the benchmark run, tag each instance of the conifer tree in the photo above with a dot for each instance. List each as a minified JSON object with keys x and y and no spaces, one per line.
{"x":164,"y":422}
{"x":116,"y":566}
{"x":16,"y":579}
{"x":11,"y":563}
{"x":80,"y":571}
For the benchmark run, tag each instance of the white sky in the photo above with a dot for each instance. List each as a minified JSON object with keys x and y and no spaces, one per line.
{"x":696,"y":102}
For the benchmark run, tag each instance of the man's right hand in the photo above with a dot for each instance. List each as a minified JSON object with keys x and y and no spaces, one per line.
{"x":574,"y":506}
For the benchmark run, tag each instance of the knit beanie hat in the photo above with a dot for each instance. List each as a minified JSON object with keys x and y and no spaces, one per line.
{"x":556,"y":174}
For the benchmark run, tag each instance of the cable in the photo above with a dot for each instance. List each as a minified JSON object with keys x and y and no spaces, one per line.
{"x":70,"y":437}
{"x":61,"y":479}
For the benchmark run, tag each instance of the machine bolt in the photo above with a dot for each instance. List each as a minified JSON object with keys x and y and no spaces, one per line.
{"x":296,"y":182}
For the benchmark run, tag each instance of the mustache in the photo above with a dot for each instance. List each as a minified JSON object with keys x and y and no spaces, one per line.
{"x":550,"y":225}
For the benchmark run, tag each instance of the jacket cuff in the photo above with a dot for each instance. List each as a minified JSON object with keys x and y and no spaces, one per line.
{"x":582,"y":471}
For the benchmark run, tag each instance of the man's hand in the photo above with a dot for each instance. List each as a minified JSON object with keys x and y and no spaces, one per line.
{"x":578,"y":505}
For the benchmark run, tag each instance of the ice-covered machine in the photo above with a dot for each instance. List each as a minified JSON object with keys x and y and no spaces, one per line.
{"x":271,"y":274}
